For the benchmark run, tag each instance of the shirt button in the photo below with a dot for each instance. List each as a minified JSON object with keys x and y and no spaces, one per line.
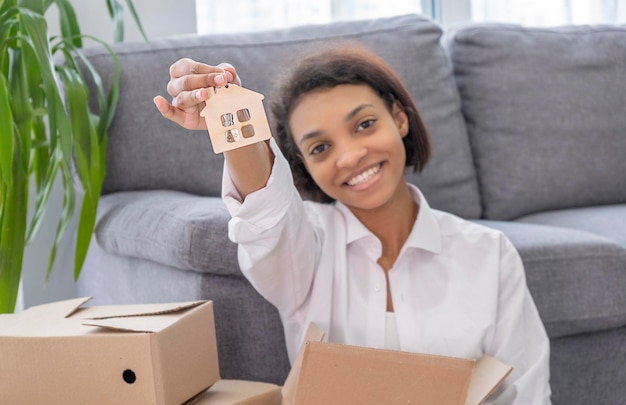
{"x":377,"y":287}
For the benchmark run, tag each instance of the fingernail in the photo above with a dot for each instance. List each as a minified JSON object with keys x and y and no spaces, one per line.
{"x":198,"y":94}
{"x":219,"y":79}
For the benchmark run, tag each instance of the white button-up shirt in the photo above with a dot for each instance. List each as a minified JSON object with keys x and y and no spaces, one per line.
{"x":458,"y":288}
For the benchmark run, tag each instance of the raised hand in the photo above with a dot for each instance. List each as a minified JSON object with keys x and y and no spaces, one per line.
{"x":188,"y":88}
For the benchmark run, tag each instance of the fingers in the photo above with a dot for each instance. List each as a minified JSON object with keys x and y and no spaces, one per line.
{"x":231,"y":73}
{"x":188,"y":99}
{"x":187,"y":74}
{"x":188,"y":85}
{"x":189,"y":80}
{"x":167,"y":110}
{"x":192,"y":82}
{"x":186,"y":118}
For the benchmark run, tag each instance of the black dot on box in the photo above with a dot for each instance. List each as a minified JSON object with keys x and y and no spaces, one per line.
{"x":129,"y":376}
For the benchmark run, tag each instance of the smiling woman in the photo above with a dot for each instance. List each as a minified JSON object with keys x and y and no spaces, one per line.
{"x":355,"y":155}
{"x":367,"y":260}
{"x":319,"y":73}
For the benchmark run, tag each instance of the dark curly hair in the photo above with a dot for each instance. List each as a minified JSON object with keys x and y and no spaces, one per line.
{"x":328,"y":67}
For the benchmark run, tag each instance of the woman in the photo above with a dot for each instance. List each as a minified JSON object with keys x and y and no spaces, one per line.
{"x":365,"y":257}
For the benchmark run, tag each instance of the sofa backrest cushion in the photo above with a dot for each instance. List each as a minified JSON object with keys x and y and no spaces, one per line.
{"x":546,"y":114}
{"x":148,"y":152}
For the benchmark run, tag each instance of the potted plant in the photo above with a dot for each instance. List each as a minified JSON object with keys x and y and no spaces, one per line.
{"x":47,"y":128}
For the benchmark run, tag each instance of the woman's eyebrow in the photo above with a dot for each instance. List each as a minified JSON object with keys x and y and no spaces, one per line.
{"x":309,"y":136}
{"x":354,"y":112}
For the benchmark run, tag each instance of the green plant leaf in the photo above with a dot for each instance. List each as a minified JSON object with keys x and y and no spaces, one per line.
{"x":44,"y":159}
{"x":6,"y":135}
{"x":7,"y":22}
{"x":86,"y":225}
{"x":69,"y":202}
{"x":20,"y":104}
{"x":116,"y":12}
{"x":58,"y":119}
{"x":7,"y":4}
{"x":70,"y":30}
{"x":38,"y":6}
{"x":13,"y":212}
{"x":47,"y":128}
{"x":106,"y":103}
{"x":133,"y":12}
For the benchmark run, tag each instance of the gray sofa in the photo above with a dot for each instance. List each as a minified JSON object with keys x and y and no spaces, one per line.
{"x":529,"y":132}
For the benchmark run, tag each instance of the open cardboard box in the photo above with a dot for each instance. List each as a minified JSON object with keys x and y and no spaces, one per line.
{"x":332,"y":374}
{"x":328,"y":374}
{"x":64,"y":353}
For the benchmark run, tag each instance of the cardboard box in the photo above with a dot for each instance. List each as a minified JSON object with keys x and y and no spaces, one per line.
{"x":64,"y":353}
{"x":239,"y":392}
{"x":329,"y":374}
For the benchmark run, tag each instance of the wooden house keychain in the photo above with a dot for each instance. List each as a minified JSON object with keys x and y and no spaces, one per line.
{"x":235,"y":117}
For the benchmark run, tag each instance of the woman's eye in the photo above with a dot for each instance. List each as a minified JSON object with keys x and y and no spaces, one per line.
{"x":318,"y":149}
{"x":366,"y":124}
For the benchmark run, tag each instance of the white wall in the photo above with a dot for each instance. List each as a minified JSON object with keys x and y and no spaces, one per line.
{"x":159,"y":18}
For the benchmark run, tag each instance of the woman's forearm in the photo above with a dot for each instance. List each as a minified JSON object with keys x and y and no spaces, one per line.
{"x":249,"y":167}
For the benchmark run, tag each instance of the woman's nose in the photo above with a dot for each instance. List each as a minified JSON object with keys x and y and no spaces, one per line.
{"x":351,"y":156}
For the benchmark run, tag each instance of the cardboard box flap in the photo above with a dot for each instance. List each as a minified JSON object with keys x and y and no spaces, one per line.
{"x":343,"y":374}
{"x":147,"y":319}
{"x":135,"y":310}
{"x":313,"y":334}
{"x":132,"y":324}
{"x":60,"y":309}
{"x":488,"y":374}
{"x":239,"y":392}
{"x":41,"y":320}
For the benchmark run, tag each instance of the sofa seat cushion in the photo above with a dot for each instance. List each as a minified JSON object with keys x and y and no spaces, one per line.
{"x":576,"y":278}
{"x":545,"y":114}
{"x":169,"y":227}
{"x":148,"y":152}
{"x":607,"y":220}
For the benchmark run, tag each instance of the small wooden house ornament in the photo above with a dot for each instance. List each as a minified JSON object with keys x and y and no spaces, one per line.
{"x":235,"y":117}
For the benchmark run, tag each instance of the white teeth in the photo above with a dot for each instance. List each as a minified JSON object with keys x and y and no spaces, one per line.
{"x":363,"y":177}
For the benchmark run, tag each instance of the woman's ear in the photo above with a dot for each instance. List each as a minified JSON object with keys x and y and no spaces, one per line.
{"x":401,"y":118}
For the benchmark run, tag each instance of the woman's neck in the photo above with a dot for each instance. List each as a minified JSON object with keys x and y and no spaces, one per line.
{"x":391,"y":224}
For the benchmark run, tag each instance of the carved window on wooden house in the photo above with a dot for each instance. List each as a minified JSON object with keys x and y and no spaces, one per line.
{"x":234,"y":134}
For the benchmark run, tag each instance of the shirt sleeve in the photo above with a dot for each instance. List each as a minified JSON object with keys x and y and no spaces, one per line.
{"x":519,"y":338}
{"x":277,"y":242}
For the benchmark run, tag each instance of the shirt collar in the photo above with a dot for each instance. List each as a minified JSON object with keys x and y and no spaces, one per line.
{"x":424,"y":235}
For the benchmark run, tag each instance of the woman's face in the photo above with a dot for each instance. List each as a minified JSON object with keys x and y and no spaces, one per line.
{"x":351,"y":144}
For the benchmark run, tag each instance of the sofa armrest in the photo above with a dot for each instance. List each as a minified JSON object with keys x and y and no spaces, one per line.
{"x":169,"y":227}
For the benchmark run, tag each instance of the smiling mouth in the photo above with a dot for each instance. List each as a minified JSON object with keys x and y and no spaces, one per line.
{"x":364,"y":177}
